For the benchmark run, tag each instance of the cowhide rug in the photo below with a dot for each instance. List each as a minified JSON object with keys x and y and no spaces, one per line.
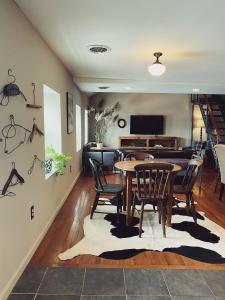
{"x":105,"y":238}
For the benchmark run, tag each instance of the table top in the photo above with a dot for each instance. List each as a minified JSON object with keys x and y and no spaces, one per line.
{"x":129,"y":165}
{"x":182,"y":162}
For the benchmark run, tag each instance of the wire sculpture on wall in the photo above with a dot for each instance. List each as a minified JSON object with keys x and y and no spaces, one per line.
{"x":34,"y":105}
{"x":36,"y":160}
{"x":13,"y":179}
{"x":9,"y":132}
{"x":34,"y":130}
{"x":10,"y":89}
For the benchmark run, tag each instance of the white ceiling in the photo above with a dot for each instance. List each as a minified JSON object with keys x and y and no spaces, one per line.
{"x":190,"y":33}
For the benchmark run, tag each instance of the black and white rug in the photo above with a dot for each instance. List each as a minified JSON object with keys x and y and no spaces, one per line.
{"x":105,"y":238}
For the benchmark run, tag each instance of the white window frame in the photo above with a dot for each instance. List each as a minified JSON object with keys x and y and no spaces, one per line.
{"x":78,"y":128}
{"x":52,"y":121}
{"x":86,"y":126}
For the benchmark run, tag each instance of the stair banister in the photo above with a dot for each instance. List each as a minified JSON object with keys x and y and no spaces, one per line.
{"x":212,"y":119}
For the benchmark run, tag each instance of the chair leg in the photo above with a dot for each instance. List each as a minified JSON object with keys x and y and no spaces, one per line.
{"x":193,"y":210}
{"x":187,"y":203}
{"x":159,"y":212}
{"x":133,"y":206}
{"x":141,"y":219}
{"x":221,"y":191}
{"x":163,"y":218}
{"x":200,"y":178}
{"x":95,"y":203}
{"x":217,"y":182}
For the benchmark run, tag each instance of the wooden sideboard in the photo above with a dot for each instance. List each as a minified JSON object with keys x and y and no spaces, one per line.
{"x":148,"y":142}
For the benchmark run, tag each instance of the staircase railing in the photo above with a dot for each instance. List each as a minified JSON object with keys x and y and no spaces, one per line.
{"x":209,"y":121}
{"x":212,"y":120}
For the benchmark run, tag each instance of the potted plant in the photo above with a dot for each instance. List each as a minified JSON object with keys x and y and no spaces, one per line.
{"x":103,"y":118}
{"x":48,"y":161}
{"x":59,"y":160}
{"x":99,"y":138}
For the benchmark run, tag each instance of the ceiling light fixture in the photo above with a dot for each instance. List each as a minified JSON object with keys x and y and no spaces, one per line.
{"x":103,"y":87}
{"x":157,"y":68}
{"x":196,"y":90}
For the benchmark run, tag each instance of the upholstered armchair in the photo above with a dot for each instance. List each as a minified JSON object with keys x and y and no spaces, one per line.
{"x":220,"y":151}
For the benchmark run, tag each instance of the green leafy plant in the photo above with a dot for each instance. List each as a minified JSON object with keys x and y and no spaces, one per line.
{"x":60,"y":160}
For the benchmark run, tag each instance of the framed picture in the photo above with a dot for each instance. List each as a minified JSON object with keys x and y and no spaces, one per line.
{"x":70,"y":112}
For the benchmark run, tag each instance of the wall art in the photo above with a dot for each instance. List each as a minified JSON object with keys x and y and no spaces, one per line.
{"x":70,"y":112}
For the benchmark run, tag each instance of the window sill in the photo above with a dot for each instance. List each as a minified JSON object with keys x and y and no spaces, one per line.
{"x":47,"y":176}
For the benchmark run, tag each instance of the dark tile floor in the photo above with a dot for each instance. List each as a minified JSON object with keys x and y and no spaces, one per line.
{"x":118,"y":284}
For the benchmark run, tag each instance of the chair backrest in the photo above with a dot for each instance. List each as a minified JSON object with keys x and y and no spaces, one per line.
{"x":153,"y":180}
{"x":138,"y":156}
{"x":98,"y":174}
{"x":192,"y":173}
{"x":220,"y":152}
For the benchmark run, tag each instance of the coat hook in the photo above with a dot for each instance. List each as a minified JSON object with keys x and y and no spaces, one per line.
{"x":13,"y":164}
{"x":11,"y":75}
{"x":33,"y":92}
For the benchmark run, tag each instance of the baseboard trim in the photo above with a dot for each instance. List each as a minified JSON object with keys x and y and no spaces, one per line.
{"x":7,"y":290}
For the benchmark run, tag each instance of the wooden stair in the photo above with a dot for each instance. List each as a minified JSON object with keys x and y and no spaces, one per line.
{"x":212,"y":108}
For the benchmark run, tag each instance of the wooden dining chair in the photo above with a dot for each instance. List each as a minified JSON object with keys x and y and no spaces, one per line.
{"x":152,"y":191}
{"x":138,"y":156}
{"x":104,"y":188}
{"x":220,"y":152}
{"x":186,"y":187}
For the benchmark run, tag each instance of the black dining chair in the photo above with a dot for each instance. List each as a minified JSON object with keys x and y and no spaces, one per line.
{"x":186,"y":187}
{"x":104,"y":188}
{"x":153,"y":181}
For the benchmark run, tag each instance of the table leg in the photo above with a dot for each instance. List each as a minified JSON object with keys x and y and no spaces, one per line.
{"x":124,"y":182}
{"x":128,"y":180}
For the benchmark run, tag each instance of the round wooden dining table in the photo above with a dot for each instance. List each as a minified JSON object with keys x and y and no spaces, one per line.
{"x":128,"y":168}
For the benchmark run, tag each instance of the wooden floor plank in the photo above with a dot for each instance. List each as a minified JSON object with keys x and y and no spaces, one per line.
{"x":67,"y":230}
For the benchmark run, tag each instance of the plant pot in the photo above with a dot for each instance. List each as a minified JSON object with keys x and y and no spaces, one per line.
{"x":48,"y":166}
{"x":99,"y":145}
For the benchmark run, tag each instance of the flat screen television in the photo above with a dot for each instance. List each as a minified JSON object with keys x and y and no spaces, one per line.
{"x":146,"y":124}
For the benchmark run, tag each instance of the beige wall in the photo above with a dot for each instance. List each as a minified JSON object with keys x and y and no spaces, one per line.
{"x":23,"y":50}
{"x":176,"y":109}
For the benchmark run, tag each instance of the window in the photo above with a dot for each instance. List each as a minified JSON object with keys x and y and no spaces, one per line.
{"x":78,"y":128}
{"x":85,"y":126}
{"x":52,"y":122}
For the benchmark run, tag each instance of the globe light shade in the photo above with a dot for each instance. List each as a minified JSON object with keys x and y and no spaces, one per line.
{"x":157,"y":69}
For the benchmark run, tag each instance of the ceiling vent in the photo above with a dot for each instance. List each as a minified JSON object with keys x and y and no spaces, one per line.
{"x":98,"y":49}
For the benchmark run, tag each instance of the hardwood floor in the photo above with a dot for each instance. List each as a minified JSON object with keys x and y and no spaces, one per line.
{"x":67,"y":229}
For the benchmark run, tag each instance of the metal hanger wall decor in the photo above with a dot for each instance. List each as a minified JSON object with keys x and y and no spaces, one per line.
{"x":36,"y":160}
{"x":7,"y":194}
{"x":34,"y":105}
{"x":14,"y":175}
{"x":34,"y":130}
{"x":10,"y":131}
{"x":10,"y":89}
